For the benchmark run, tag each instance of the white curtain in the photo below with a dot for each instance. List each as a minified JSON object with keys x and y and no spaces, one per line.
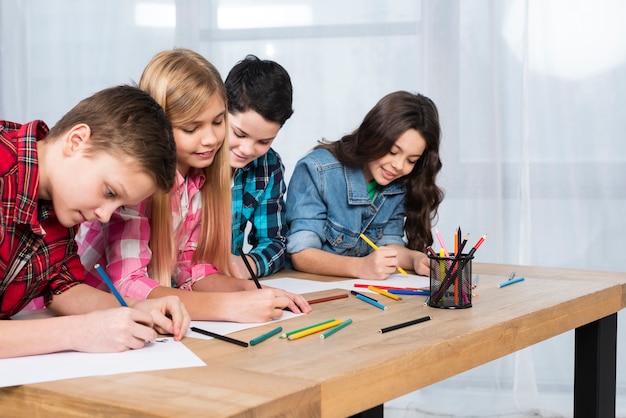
{"x":532,"y":101}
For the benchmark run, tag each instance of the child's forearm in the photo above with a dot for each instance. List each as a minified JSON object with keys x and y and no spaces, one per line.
{"x":316,"y":261}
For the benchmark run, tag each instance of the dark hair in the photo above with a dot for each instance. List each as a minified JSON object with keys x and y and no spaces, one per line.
{"x":263,"y":86}
{"x":392,"y":116}
{"x":126,"y":121}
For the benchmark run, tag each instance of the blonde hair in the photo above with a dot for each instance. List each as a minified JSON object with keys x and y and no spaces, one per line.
{"x":182,"y":82}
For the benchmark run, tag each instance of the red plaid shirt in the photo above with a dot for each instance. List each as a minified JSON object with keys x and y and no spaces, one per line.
{"x":37,"y":254}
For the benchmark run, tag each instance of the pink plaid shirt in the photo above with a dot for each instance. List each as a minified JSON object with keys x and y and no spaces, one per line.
{"x":122,"y":244}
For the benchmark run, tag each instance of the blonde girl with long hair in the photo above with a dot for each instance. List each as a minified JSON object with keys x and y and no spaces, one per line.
{"x":179,"y":242}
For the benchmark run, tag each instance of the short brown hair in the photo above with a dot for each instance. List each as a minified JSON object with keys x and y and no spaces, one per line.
{"x":126,"y":121}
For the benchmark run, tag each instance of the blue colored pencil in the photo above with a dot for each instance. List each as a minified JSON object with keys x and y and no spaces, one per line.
{"x":371,"y":302}
{"x":508,"y":282}
{"x":110,"y":285}
{"x":409,"y":292}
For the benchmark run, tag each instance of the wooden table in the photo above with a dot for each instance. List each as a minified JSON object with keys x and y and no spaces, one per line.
{"x":358,"y":369}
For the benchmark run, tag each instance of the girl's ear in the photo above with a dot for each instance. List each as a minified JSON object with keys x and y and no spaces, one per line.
{"x":76,"y":138}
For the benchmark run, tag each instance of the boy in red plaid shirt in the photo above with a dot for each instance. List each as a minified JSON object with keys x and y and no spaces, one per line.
{"x":114,"y":148}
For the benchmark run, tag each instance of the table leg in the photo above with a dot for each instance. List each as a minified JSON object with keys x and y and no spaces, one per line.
{"x":595,"y":354}
{"x":375,"y":412}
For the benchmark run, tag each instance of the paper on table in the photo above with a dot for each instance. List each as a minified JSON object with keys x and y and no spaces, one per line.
{"x":225,"y":328}
{"x":167,"y":354}
{"x":301,"y":286}
{"x":396,"y":280}
{"x":298,"y":286}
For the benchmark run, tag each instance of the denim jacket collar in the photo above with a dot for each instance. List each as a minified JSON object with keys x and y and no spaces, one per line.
{"x":357,"y":186}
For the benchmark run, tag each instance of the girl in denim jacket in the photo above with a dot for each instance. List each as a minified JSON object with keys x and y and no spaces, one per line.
{"x":378,"y":181}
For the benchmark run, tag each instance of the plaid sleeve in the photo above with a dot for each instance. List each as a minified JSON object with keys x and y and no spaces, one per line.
{"x":122,"y":245}
{"x":268,"y":230}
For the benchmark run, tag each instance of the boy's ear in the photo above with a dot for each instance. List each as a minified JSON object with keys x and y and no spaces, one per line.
{"x":76,"y":138}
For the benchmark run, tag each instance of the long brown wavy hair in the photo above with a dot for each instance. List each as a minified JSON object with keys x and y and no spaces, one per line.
{"x":392,"y":116}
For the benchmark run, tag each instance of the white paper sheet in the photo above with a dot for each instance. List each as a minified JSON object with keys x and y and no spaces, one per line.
{"x":166,"y":354}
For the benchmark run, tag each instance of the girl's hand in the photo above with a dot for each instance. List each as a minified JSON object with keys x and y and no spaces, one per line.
{"x":112,"y":330}
{"x":168,"y":315}
{"x":295,"y":303}
{"x":380,"y":264}
{"x":421,"y":264}
{"x":262,"y":305}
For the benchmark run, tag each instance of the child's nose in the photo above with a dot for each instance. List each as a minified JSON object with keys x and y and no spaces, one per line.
{"x":104,"y":213}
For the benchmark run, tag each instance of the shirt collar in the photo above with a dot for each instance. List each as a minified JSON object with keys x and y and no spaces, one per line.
{"x":195,"y":179}
{"x":357,"y":186}
{"x":28,"y":173}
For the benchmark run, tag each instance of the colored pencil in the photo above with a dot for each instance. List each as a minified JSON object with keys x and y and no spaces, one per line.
{"x":287,"y":334}
{"x":391,"y":287}
{"x":441,"y":243}
{"x":328,"y":298}
{"x":375,"y":247}
{"x":431,"y":251}
{"x":409,"y":292}
{"x":355,"y":293}
{"x":404,"y":324}
{"x":383,"y":292}
{"x":110,"y":284}
{"x":511,"y":281}
{"x":451,"y":272}
{"x":335,"y":329}
{"x":313,"y":330}
{"x":220,"y":337}
{"x":371,"y":302}
{"x":265,"y":336}
{"x":249,"y":267}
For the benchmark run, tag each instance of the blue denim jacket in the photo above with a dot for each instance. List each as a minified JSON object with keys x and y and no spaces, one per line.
{"x":328,"y":208}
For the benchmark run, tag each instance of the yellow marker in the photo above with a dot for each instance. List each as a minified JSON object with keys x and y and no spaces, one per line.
{"x":383,"y":292}
{"x":375,"y":247}
{"x":313,"y":330}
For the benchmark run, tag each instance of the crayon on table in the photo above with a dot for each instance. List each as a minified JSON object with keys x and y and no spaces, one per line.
{"x":391,"y":287}
{"x":371,"y":302}
{"x":384,"y":292}
{"x":327,"y":298}
{"x":355,"y":293}
{"x":314,"y":329}
{"x":265,"y":336}
{"x":511,"y":281}
{"x":409,"y":292}
{"x":335,"y":329}
{"x":287,"y":334}
{"x":404,"y":324}
{"x":219,"y":337}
